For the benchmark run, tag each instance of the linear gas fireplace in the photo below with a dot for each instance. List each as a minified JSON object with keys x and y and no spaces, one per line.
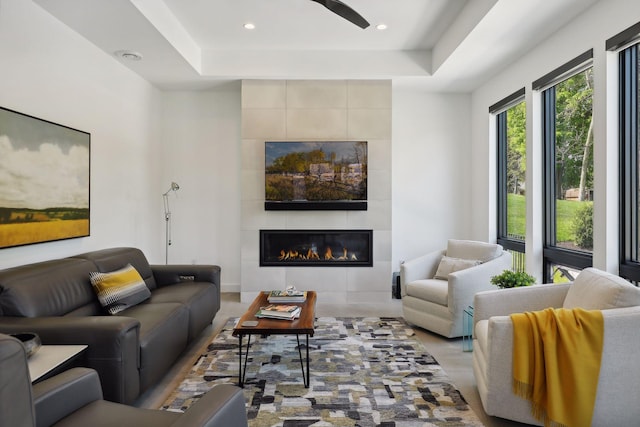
{"x":327,"y":248}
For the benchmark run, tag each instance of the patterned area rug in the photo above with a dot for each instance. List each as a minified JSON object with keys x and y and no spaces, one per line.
{"x":364,"y":372}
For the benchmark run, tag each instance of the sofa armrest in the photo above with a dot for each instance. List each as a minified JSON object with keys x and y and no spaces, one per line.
{"x":59,"y":396}
{"x":114,"y":347}
{"x":502,"y":302}
{"x":617,"y":381}
{"x":423,"y":267}
{"x":464,"y":284}
{"x":223,"y":405}
{"x":72,"y":329}
{"x":176,"y":273}
{"x":619,"y":371}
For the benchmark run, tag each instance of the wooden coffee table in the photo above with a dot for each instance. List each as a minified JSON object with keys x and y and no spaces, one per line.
{"x":304,"y":325}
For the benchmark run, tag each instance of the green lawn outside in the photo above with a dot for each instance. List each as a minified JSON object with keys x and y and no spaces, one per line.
{"x":516,"y":215}
{"x":565,"y":213}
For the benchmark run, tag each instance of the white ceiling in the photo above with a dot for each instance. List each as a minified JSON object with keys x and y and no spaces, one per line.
{"x":451,"y":45}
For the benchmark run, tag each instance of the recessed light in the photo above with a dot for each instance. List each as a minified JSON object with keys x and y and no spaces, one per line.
{"x":381,"y":27}
{"x":129,"y":55}
{"x":249,"y":26}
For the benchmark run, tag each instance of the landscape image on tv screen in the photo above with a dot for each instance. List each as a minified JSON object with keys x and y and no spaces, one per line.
{"x":325,"y":172}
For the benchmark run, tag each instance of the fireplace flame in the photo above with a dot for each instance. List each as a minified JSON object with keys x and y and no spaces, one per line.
{"x":328,"y":254}
{"x":311,"y":254}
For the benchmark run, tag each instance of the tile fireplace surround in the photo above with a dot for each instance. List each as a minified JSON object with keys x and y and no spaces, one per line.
{"x":317,"y":110}
{"x":316,"y":248}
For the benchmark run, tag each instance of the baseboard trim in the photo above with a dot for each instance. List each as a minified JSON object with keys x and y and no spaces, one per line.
{"x":230,"y":287}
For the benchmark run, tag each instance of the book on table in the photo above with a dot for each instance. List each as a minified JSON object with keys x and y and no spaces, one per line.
{"x":279,"y":311}
{"x":287,"y":296}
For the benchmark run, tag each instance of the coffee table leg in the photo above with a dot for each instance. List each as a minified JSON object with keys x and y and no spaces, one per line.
{"x":305,"y":375}
{"x":308,"y":371}
{"x":240,"y":382}
{"x":242,"y":372}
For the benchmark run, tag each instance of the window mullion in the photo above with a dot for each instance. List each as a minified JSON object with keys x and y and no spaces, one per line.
{"x":501,"y":124}
{"x":549,"y":132}
{"x":629,"y":152}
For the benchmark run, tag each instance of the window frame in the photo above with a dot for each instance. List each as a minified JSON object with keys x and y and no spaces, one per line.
{"x":628,"y":100}
{"x":552,"y":254}
{"x":499,"y":110}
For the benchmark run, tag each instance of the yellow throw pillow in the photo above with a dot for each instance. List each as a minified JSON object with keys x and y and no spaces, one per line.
{"x":120,"y":289}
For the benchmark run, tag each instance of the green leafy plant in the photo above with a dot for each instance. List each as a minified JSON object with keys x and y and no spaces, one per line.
{"x":583,"y":226}
{"x":512,"y":279}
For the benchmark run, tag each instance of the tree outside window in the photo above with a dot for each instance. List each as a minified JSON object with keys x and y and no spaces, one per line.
{"x":574,"y":162}
{"x":516,"y":159}
{"x":511,"y":146}
{"x":568,"y":168}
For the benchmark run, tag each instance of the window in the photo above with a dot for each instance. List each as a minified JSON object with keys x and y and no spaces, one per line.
{"x":567,"y":99}
{"x":510,"y":116}
{"x":629,"y":122}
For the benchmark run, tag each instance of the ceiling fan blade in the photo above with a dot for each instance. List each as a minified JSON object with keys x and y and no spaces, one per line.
{"x":341,"y":9}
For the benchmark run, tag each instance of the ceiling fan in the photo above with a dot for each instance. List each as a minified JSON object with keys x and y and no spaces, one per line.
{"x":341,"y":9}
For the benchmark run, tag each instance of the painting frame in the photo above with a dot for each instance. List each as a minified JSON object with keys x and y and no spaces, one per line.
{"x":45,"y":176}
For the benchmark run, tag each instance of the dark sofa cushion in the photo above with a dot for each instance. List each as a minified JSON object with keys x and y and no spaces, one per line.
{"x":200,"y":298}
{"x":107,"y":260}
{"x":49,"y":288}
{"x":163,"y":337}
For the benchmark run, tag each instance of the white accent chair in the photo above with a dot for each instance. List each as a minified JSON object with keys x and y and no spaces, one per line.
{"x":437,"y":287}
{"x":618,"y":392}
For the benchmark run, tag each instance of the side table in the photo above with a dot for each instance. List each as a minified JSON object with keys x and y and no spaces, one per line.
{"x":467,"y":329}
{"x":50,"y":360}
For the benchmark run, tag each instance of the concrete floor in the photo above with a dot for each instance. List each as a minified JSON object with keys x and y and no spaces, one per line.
{"x":448,"y":352}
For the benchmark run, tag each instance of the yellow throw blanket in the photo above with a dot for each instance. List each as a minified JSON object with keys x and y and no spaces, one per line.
{"x":556,"y":363}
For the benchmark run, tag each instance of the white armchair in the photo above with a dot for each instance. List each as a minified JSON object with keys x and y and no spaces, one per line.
{"x":438,"y":286}
{"x":618,"y":393}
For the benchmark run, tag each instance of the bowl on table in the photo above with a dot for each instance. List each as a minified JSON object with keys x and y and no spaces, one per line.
{"x":30,"y":340}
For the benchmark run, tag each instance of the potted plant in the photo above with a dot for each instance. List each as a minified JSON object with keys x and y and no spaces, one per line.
{"x":512,"y":279}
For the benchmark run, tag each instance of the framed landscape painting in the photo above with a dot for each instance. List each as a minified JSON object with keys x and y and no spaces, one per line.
{"x":316,"y":175}
{"x":44,"y":180}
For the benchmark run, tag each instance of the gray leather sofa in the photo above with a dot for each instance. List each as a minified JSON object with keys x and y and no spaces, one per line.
{"x":132,"y":350}
{"x":74,"y":398}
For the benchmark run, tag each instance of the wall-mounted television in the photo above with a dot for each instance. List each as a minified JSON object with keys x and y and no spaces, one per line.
{"x":315,"y":175}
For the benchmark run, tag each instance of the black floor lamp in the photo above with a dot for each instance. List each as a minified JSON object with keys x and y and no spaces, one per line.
{"x":167,"y":219}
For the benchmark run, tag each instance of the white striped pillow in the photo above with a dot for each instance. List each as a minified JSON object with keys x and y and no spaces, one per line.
{"x":120,"y":289}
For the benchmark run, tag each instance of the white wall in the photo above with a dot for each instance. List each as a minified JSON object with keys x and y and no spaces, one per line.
{"x":201,"y":150}
{"x":589,"y":30}
{"x":50,"y":72}
{"x":431,"y":164}
{"x":430,"y":175}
